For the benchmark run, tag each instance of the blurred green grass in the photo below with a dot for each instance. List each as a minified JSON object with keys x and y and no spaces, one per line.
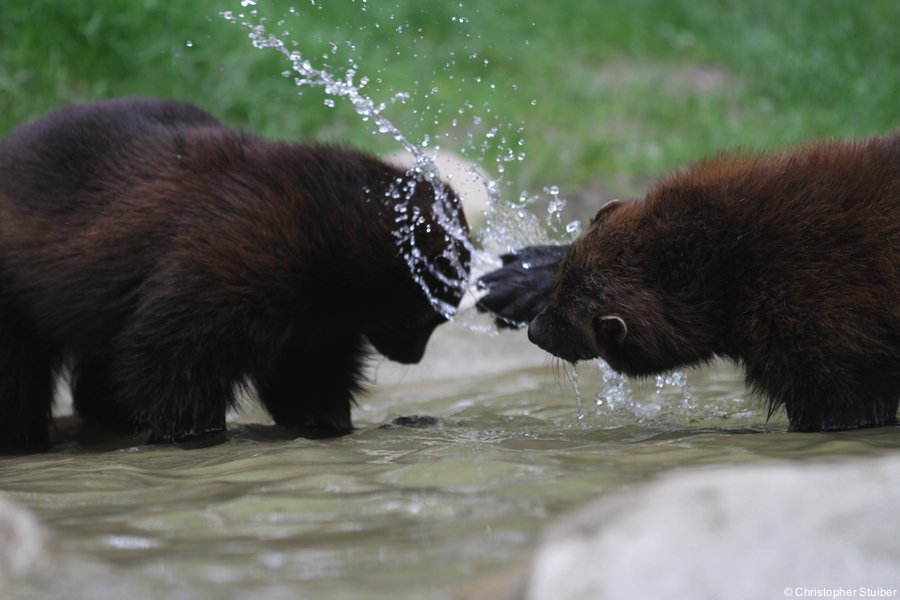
{"x":607,"y":93}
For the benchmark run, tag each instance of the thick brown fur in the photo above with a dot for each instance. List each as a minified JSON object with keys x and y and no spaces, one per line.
{"x":168,"y":258}
{"x":788,"y":263}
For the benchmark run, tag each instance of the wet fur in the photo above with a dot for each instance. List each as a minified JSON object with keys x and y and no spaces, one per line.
{"x":788,"y":263}
{"x":169,"y":258}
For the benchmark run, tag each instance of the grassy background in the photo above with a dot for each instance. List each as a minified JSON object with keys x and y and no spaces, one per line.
{"x":602,"y":95}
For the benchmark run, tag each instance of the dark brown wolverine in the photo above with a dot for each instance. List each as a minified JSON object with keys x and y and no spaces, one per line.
{"x":787,"y":262}
{"x":168,"y":259}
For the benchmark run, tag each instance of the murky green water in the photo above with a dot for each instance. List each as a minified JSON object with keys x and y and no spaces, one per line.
{"x":405,"y":508}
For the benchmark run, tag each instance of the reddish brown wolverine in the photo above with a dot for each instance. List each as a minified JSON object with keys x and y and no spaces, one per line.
{"x":167,"y":259}
{"x":788,"y":263}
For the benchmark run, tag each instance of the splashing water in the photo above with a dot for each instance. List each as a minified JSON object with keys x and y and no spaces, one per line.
{"x":577,"y":391}
{"x":616,"y":391}
{"x":679,"y":379}
{"x":510,"y":225}
{"x":617,"y":398}
{"x":408,"y":222}
{"x":555,"y":213}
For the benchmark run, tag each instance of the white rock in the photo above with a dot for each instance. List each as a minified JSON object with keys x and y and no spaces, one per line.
{"x":21,"y":540}
{"x":763,"y":531}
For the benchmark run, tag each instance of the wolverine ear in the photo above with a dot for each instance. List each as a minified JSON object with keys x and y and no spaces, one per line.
{"x":611,"y":327}
{"x":606,"y":210}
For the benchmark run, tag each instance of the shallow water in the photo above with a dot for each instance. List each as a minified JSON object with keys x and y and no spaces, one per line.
{"x":457,"y":465}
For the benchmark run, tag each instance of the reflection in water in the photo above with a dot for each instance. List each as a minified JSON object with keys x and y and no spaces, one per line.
{"x":451,"y":475}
